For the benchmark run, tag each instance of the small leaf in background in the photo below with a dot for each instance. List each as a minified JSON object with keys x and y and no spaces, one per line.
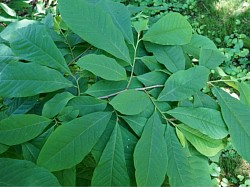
{"x":55,"y":105}
{"x":236,"y":115}
{"x":136,"y":123}
{"x":14,"y":173}
{"x":211,"y":58}
{"x":103,"y":66}
{"x":171,"y":29}
{"x":244,"y":90}
{"x":97,"y":26}
{"x":32,"y":80}
{"x":87,"y":104}
{"x":130,"y":102}
{"x":111,"y":169}
{"x":203,"y":143}
{"x":42,"y":50}
{"x":8,"y":10}
{"x":150,"y":154}
{"x":21,"y":128}
{"x":184,"y":84}
{"x":73,"y":140}
{"x":172,"y":57}
{"x":66,"y":177}
{"x":205,"y":120}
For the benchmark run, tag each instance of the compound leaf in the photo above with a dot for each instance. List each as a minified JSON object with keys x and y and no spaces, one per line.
{"x":73,"y":140}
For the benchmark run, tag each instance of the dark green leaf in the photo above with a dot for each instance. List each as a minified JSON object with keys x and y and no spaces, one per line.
{"x":20,"y":128}
{"x":3,"y":148}
{"x":136,"y":123}
{"x":30,"y":152}
{"x":66,"y":177}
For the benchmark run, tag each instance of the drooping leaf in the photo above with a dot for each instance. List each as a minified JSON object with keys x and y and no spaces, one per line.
{"x":236,"y":116}
{"x":26,"y":44}
{"x":111,"y":169}
{"x":20,"y":128}
{"x":96,"y":26}
{"x":30,"y":152}
{"x":121,"y":18}
{"x":8,"y":10}
{"x":211,"y":58}
{"x":172,"y":57}
{"x":102,"y":66}
{"x":204,"y":100}
{"x":31,"y":80}
{"x":136,"y":123}
{"x":24,"y":173}
{"x":153,"y":78}
{"x":130,"y":102}
{"x":203,"y":143}
{"x":179,"y":169}
{"x":205,"y":120}
{"x":87,"y":104}
{"x":172,"y":29}
{"x":73,"y":140}
{"x":55,"y":105}
{"x":244,"y":90}
{"x":104,"y":88}
{"x":184,"y":83}
{"x":150,"y":154}
{"x":66,"y":177}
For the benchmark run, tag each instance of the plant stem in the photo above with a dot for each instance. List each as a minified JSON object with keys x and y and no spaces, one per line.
{"x":134,"y":60}
{"x":79,"y":56}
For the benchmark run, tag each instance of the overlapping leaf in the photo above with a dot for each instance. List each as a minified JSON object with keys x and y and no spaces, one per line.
{"x":244,"y":90}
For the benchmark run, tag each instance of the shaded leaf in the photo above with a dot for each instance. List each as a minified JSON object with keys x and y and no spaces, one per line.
{"x":204,"y":100}
{"x":30,"y":152}
{"x":3,"y":148}
{"x":211,"y":58}
{"x":66,"y":177}
{"x":136,"y":123}
{"x":153,"y":78}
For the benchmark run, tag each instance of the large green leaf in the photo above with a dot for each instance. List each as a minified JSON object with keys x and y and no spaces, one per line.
{"x":203,"y":143}
{"x":24,"y":173}
{"x":6,"y":55}
{"x":150,"y":154}
{"x":180,"y":168}
{"x":205,"y":120}
{"x":28,"y":79}
{"x":95,"y":25}
{"x":73,"y":140}
{"x":18,"y":129}
{"x":102,"y":66}
{"x":87,"y":104}
{"x":172,"y":57}
{"x":244,"y":90}
{"x":184,"y":84}
{"x":111,"y":169}
{"x":172,"y":29}
{"x":55,"y":105}
{"x":26,"y":44}
{"x":153,"y":78}
{"x":130,"y":102}
{"x":121,"y":18}
{"x":211,"y":58}
{"x":236,"y":116}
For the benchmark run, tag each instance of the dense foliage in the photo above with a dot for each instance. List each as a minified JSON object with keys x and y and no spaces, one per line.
{"x":89,"y":100}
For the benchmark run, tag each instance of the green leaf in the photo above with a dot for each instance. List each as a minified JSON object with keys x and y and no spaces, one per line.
{"x":18,"y":129}
{"x":96,"y":26}
{"x":211,"y":58}
{"x":30,"y":152}
{"x":205,"y":120}
{"x":244,"y":90}
{"x":184,"y":84}
{"x":111,"y":169}
{"x":68,"y":113}
{"x":73,"y":140}
{"x":236,"y":115}
{"x":136,"y":123}
{"x":172,"y":29}
{"x":197,"y":43}
{"x":153,"y":78}
{"x":150,"y":154}
{"x":203,"y":143}
{"x":130,"y":102}
{"x":204,"y":100}
{"x":6,"y":55}
{"x":87,"y":104}
{"x":24,"y":173}
{"x":151,"y":63}
{"x":102,"y":66}
{"x":8,"y":10}
{"x":3,"y":148}
{"x":31,"y":80}
{"x":121,"y":18}
{"x":172,"y":57}
{"x":66,"y":177}
{"x":55,"y":105}
{"x":104,"y":88}
{"x":26,"y":44}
